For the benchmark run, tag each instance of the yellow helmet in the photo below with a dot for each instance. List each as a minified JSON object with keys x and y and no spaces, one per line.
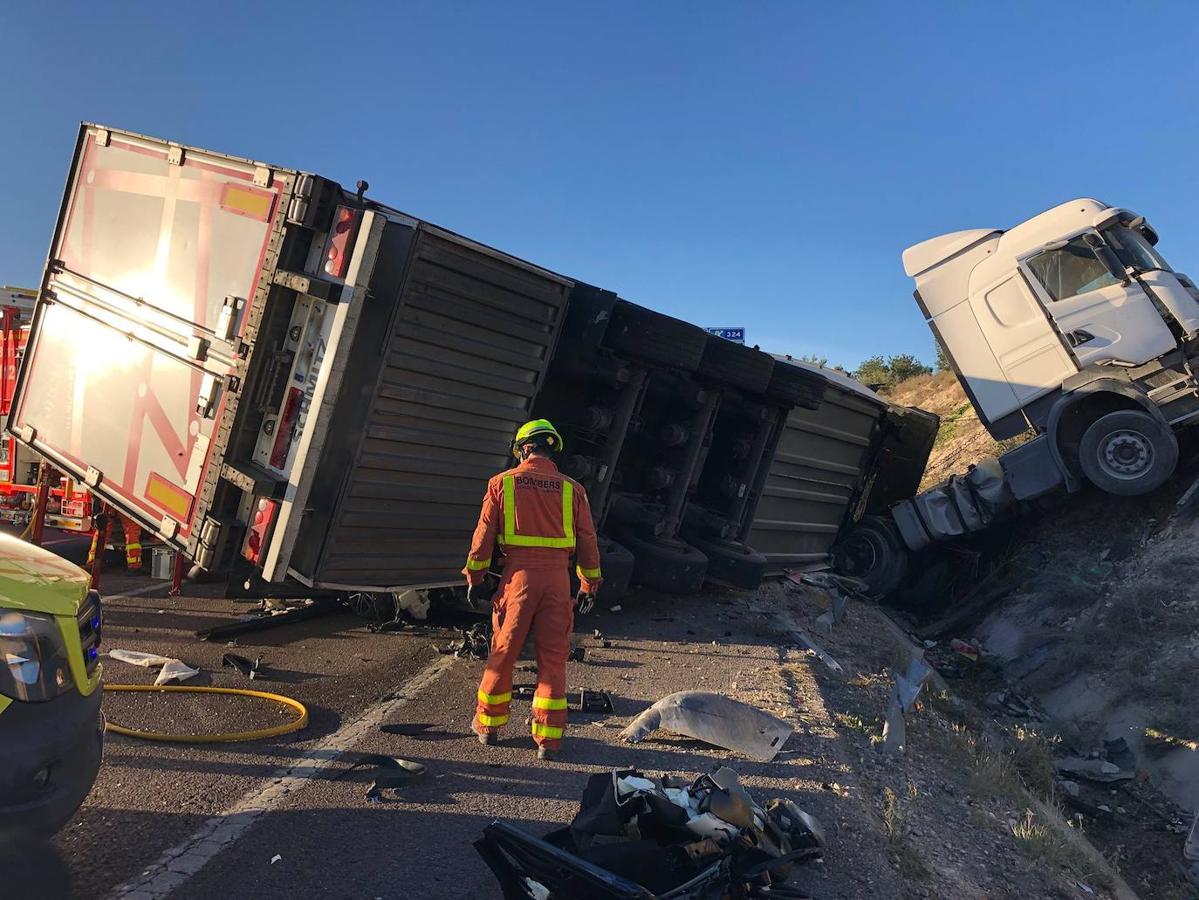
{"x":534,"y":428}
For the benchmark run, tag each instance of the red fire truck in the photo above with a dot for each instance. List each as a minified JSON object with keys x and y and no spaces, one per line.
{"x":69,"y":505}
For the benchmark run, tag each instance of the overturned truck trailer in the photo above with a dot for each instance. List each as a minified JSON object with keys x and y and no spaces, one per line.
{"x":300,"y":386}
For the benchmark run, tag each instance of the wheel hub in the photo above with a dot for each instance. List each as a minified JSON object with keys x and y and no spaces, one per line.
{"x":1126,"y":454}
{"x":858,"y":556}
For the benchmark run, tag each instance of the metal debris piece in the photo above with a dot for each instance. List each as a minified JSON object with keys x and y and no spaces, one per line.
{"x":895,"y":730}
{"x":312,"y":609}
{"x":396,"y":772}
{"x":816,"y":650}
{"x":1093,"y":769}
{"x":242,"y":664}
{"x":715,"y":719}
{"x":475,"y":642}
{"x":580,"y":700}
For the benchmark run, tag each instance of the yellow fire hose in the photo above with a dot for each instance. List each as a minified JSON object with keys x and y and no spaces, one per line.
{"x":228,"y":738}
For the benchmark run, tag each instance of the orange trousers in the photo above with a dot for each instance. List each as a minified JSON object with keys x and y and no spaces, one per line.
{"x":538,"y":599}
{"x":133,"y":544}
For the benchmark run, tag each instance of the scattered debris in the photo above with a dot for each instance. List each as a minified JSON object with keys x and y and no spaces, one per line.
{"x":173,"y":671}
{"x":815,"y":649}
{"x":475,"y":642}
{"x":396,"y":772}
{"x":715,"y":719}
{"x":581,"y":700}
{"x":577,"y":654}
{"x":276,"y":858}
{"x":836,"y":584}
{"x":969,"y":649}
{"x":242,"y":664}
{"x":633,"y":835}
{"x":616,"y":608}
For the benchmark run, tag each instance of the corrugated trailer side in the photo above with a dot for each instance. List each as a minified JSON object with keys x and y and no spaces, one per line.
{"x":468,"y":337}
{"x":820,"y":467}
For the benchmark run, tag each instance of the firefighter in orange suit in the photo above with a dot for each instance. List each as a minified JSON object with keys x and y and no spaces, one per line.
{"x":540,"y":518}
{"x":133,"y":543}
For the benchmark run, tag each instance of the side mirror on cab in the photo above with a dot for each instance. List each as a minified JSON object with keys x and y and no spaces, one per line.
{"x":1107,"y":256}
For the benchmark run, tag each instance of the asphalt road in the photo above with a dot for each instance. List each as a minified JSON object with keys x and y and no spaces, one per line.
{"x":288,"y":818}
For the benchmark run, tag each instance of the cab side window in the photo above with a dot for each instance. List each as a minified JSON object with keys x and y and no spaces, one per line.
{"x":1070,"y":270}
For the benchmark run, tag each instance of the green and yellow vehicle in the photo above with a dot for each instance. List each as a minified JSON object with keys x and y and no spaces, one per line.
{"x":51,"y":730}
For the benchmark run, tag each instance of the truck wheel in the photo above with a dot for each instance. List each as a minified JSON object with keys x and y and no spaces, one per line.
{"x":733,"y":564}
{"x":1128,"y":452}
{"x":616,"y":563}
{"x":671,"y":567}
{"x":795,"y":386}
{"x":874,"y":552}
{"x":732,"y":364}
{"x":646,"y":335}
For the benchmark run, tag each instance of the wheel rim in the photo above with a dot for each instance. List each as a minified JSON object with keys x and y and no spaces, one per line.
{"x":858,"y":556}
{"x":1125,"y":454}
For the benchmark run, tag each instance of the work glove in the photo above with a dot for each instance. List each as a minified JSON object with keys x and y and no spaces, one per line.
{"x":584,"y":602}
{"x":479,"y":596}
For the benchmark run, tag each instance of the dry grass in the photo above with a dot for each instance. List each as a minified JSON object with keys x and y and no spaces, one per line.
{"x":903,"y":852}
{"x":1042,"y":841}
{"x":1033,"y":756}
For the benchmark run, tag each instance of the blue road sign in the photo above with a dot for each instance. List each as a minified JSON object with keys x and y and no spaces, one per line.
{"x":736,"y":335}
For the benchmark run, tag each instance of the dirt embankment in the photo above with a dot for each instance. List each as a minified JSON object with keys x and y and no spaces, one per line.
{"x":1090,"y":611}
{"x":962,"y":439}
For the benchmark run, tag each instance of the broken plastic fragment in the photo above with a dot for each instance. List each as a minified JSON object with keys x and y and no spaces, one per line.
{"x":715,"y":719}
{"x":173,"y":670}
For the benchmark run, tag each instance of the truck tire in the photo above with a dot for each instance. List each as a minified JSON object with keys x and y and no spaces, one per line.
{"x":671,"y":567}
{"x":874,"y":552}
{"x":735,"y":365}
{"x":1128,"y":452}
{"x":733,"y":564}
{"x":616,"y":564}
{"x":643,"y":334}
{"x":795,"y":386}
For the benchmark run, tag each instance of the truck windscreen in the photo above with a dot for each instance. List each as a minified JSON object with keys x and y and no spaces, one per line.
{"x":1133,"y":250}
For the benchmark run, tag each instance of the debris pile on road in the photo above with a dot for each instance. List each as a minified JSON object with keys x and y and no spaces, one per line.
{"x":476,"y":642}
{"x":633,"y":835}
{"x":715,"y":719}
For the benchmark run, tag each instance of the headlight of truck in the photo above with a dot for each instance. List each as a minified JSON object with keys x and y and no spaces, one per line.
{"x":33,"y":657}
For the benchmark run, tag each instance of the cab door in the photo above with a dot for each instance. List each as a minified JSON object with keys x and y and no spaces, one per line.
{"x":1100,"y":318}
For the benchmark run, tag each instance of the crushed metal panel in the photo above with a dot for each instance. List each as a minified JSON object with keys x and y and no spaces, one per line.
{"x":471,"y":335}
{"x":716,"y":719}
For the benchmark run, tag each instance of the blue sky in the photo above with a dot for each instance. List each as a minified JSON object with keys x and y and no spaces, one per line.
{"x":757,"y":164}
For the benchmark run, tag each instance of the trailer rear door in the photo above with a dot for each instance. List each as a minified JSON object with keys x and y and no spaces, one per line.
{"x":159,"y":256}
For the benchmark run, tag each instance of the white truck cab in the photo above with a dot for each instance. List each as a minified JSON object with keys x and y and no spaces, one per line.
{"x":1066,"y":318}
{"x":1070,"y":325}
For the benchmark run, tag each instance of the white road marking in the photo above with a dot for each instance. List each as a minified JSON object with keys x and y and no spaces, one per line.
{"x":183,"y":860}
